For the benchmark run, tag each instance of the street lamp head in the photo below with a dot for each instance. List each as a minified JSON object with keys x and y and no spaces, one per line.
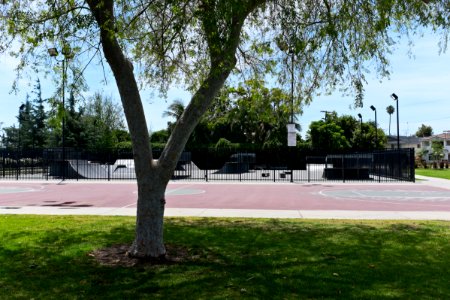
{"x":67,"y":51}
{"x":53,"y":52}
{"x":373,"y":108}
{"x":360,"y":116}
{"x":394,"y":96}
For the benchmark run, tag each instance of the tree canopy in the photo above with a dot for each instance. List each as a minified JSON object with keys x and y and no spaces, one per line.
{"x":95,"y":124}
{"x":424,"y":131}
{"x":342,"y":133}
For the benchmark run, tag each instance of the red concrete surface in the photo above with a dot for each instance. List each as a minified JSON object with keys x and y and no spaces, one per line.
{"x":227,"y":195}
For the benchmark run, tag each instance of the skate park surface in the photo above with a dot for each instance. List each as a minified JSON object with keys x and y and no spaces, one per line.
{"x":427,"y":199}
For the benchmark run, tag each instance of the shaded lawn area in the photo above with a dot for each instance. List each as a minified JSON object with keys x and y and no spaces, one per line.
{"x":48,"y":257}
{"x":438,"y":173}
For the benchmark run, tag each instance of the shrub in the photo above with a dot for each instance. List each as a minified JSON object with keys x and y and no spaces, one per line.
{"x":223,"y":143}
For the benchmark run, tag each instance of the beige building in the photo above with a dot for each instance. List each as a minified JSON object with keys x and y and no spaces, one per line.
{"x":426,"y":142}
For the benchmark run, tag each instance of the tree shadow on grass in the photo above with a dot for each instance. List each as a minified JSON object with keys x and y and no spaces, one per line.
{"x":229,"y":259}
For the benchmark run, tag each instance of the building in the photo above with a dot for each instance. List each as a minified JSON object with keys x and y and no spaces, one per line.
{"x":427,"y":150}
{"x":405,"y":142}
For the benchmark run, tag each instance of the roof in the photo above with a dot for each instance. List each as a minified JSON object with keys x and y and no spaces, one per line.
{"x":442,"y":136}
{"x":404,"y":139}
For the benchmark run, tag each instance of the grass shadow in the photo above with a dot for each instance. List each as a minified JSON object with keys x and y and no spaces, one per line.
{"x":47,"y":257}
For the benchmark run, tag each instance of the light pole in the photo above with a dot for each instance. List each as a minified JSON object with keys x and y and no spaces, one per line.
{"x":19,"y":146}
{"x":376,"y":125}
{"x":21,"y":109}
{"x":395,"y":98}
{"x":360,"y":131}
{"x":360,"y":121}
{"x":292,"y":86}
{"x":67,"y":53}
{"x":292,"y":135}
{"x":326,"y":112}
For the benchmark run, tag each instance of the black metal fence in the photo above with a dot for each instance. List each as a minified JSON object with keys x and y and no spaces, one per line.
{"x":290,"y":165}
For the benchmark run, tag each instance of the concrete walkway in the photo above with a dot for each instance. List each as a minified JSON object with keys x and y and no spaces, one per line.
{"x":238,"y":213}
{"x":249,"y":213}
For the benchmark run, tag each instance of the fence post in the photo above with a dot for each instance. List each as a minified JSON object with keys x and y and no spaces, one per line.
{"x":17,"y":165}
{"x":4,"y":162}
{"x":413,"y":166}
{"x":343,"y":168}
{"x":32,"y":162}
{"x":308,"y":169}
{"x":292,"y":166}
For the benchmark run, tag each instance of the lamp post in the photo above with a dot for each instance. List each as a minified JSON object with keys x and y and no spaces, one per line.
{"x":360,"y":131}
{"x":395,"y":98}
{"x":376,"y":125}
{"x":67,"y":53}
{"x":292,"y":85}
{"x":360,"y":121}
{"x":21,"y":109}
{"x":326,"y":112}
{"x":19,"y":146}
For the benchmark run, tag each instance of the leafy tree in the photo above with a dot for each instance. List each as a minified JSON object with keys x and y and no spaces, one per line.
{"x":159,"y":137}
{"x":10,"y":137}
{"x":248,"y":114}
{"x":390,"y":110}
{"x":424,"y":131}
{"x":336,"y":133}
{"x":327,"y":135}
{"x":26,"y":130}
{"x":437,"y":152}
{"x":31,"y":132}
{"x":102,"y":120}
{"x":39,"y":118}
{"x":198,"y":42}
{"x":75,"y":130}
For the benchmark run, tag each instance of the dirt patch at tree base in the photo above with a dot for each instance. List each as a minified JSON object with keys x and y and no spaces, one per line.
{"x":118,"y":256}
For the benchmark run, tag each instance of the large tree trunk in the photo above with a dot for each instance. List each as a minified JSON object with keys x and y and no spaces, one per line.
{"x":151,"y":186}
{"x":153,"y":177}
{"x":149,"y":241}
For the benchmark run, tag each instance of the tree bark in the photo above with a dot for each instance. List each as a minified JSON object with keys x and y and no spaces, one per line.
{"x":150,"y":206}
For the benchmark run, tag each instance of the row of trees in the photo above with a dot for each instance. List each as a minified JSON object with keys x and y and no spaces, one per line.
{"x":337,"y":133}
{"x":95,"y":123}
{"x":253,"y":116}
{"x":250,"y":115}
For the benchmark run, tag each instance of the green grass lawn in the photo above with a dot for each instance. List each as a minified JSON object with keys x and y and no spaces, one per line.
{"x":438,"y":173}
{"x":47,"y":257}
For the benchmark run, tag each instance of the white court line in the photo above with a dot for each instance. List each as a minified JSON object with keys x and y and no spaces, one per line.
{"x":168,"y":194}
{"x":126,"y":206}
{"x":432,"y":204}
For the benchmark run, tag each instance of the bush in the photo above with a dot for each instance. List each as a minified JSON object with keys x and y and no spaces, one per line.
{"x":124,"y":145}
{"x":223,"y":143}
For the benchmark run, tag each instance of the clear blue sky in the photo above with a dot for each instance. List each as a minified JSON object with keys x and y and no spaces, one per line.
{"x":422,"y":83}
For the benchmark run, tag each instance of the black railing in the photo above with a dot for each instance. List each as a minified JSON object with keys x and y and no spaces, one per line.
{"x":289,"y":165}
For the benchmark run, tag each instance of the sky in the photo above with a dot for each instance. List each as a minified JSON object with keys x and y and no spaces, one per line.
{"x":421,"y":82}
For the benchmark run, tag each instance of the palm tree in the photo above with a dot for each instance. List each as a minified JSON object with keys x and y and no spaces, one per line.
{"x":390,"y":110}
{"x":175,"y":110}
